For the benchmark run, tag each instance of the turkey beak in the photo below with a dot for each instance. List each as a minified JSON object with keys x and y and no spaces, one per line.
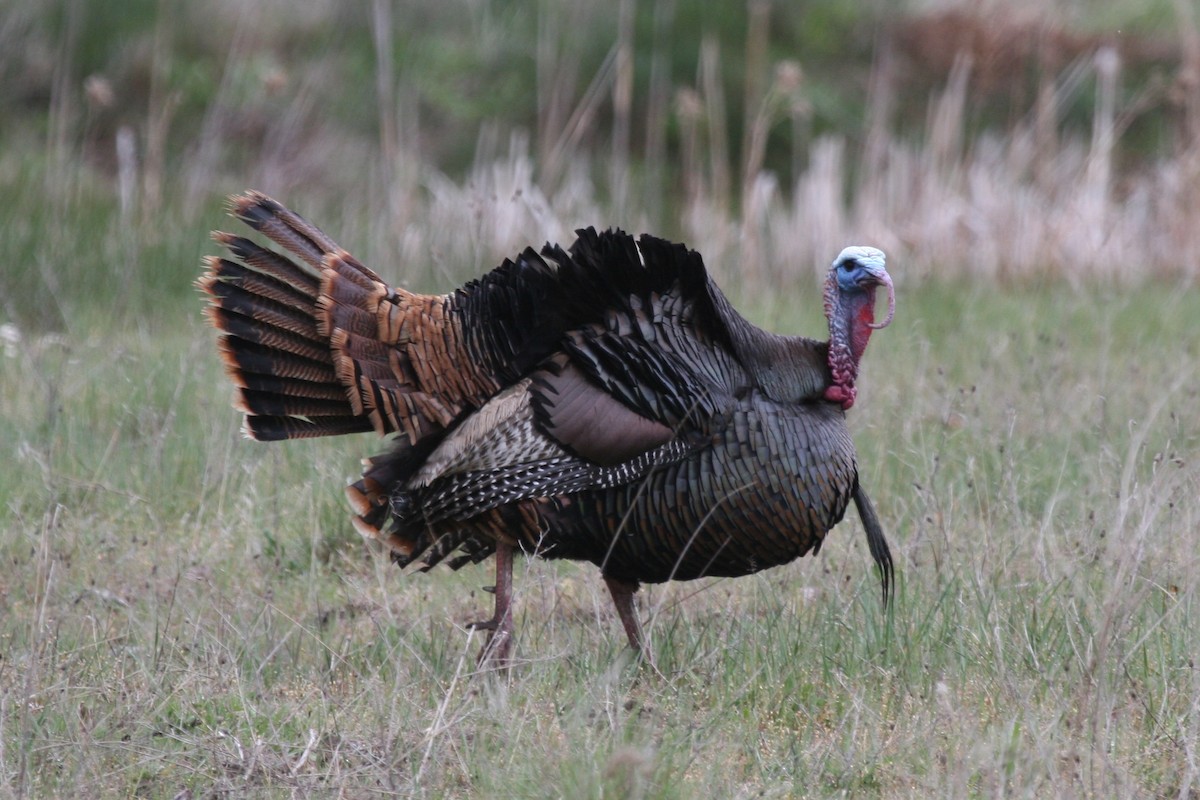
{"x":886,"y":280}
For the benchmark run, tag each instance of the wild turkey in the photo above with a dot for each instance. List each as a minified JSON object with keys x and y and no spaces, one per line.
{"x":603,"y":403}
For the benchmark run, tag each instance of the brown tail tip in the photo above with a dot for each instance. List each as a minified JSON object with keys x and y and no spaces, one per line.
{"x":365,"y":529}
{"x":359,"y":501}
{"x":392,"y":541}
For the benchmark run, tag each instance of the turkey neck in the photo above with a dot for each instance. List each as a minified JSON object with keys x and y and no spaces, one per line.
{"x":850,"y":315}
{"x":788,"y":369}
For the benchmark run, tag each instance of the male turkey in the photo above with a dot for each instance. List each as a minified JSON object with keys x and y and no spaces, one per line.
{"x":603,"y":403}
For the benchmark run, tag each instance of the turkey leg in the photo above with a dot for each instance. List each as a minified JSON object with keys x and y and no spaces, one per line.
{"x":499,"y":643}
{"x":622,"y":595}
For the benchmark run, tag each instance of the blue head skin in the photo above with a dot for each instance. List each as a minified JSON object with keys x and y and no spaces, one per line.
{"x":859,"y":269}
{"x":850,"y":309}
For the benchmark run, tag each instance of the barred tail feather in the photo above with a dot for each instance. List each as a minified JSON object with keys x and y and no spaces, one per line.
{"x":273,"y":352}
{"x":282,"y":226}
{"x":270,"y":314}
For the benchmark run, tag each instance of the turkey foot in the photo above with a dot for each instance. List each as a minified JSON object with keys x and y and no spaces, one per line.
{"x":495,"y":652}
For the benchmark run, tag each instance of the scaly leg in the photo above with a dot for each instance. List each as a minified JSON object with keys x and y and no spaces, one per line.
{"x":622,"y":595}
{"x":499,"y":644}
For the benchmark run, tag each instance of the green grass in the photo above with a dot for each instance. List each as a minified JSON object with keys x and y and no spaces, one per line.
{"x":186,"y":609}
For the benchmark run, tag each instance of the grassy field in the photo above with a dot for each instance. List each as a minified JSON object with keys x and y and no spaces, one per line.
{"x":189,"y":611}
{"x":187,"y":614}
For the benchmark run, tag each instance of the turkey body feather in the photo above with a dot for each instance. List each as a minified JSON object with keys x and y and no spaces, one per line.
{"x":602,"y":403}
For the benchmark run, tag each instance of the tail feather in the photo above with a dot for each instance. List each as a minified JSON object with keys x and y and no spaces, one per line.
{"x":348,"y":305}
{"x":273,"y":384}
{"x":250,"y":330}
{"x":277,"y":429}
{"x":286,"y":229}
{"x":233,"y":293}
{"x":259,"y":285}
{"x":271,"y":404}
{"x":351,"y":269}
{"x":270,"y":263}
{"x":370,"y":353}
{"x":371,"y":501}
{"x":298,"y":236}
{"x":246,"y":358}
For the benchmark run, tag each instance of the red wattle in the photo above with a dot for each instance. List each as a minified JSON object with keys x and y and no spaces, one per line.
{"x":841,"y":394}
{"x":860,"y":331}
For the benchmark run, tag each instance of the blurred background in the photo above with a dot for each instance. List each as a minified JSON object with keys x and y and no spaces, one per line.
{"x":1000,"y":140}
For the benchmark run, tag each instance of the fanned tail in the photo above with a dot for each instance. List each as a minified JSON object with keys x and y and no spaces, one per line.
{"x":318,"y":345}
{"x":272,"y":346}
{"x":275,"y":339}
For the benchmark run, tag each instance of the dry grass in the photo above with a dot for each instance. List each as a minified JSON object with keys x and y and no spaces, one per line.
{"x":986,"y":144}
